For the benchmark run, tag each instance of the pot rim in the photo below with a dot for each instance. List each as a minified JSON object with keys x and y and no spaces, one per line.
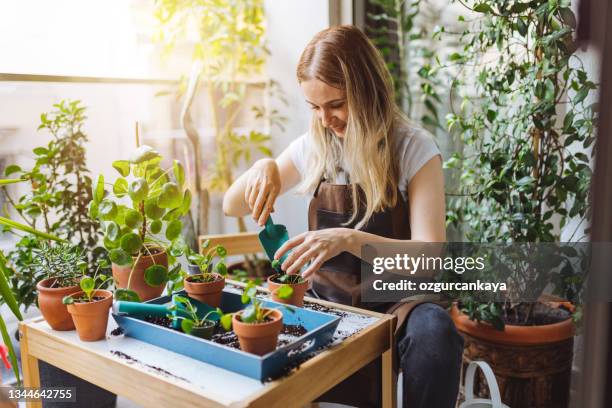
{"x":221,"y":277}
{"x":40,"y":287}
{"x":110,"y":295}
{"x":514,"y":335}
{"x":304,"y":281}
{"x":278,"y":316}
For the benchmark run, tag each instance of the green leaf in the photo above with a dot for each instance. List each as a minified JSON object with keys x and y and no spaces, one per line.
{"x":25,"y":228}
{"x":67,"y":300}
{"x":226,"y":321}
{"x":40,"y":151}
{"x":156,"y":275}
{"x":13,"y":168}
{"x":112,"y":231}
{"x":170,"y":196}
{"x":92,"y":210}
{"x":143,"y":154}
{"x":98,"y":189}
{"x":221,"y":268}
{"x":119,"y":257}
{"x":122,"y":166}
{"x":87,"y":284}
{"x":483,"y":8}
{"x":187,"y":325}
{"x":179,"y":173}
{"x":581,"y":95}
{"x":152,"y":210}
{"x":155,"y":226}
{"x":133,"y":218}
{"x":186,"y":205}
{"x":5,"y":289}
{"x":138,"y":189}
{"x":178,"y":247}
{"x":249,"y":314}
{"x":221,"y":251}
{"x":131,"y":243}
{"x":284,"y":292}
{"x":126,"y":295}
{"x":107,"y":210}
{"x":120,"y":188}
{"x":173,"y":230}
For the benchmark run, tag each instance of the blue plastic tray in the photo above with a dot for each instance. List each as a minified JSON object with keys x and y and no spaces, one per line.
{"x":320,"y":329}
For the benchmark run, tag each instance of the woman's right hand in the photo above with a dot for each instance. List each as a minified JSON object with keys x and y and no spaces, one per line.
{"x":262,"y":187}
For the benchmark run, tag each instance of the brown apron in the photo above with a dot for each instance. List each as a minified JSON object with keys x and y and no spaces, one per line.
{"x":339,"y":279}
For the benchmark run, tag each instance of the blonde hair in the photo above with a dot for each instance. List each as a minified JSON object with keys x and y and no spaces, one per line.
{"x":344,"y":58}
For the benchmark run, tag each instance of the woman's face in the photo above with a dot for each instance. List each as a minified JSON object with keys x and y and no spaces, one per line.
{"x":329,"y":104}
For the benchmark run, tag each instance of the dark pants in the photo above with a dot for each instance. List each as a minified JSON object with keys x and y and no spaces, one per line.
{"x":429,"y":352}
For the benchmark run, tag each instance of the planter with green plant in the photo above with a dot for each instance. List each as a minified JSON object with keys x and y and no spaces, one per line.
{"x":61,"y":266}
{"x":257,"y":327}
{"x":89,"y":307}
{"x":285,"y":288}
{"x":207,"y":285}
{"x":142,"y":229}
{"x":193,"y":324}
{"x":525,"y":172}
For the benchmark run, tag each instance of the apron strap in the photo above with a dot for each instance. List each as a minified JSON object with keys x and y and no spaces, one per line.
{"x":316,"y":192}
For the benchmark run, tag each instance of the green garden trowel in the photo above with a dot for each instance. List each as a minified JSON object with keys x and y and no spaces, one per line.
{"x":137,"y":309}
{"x":272,"y":237}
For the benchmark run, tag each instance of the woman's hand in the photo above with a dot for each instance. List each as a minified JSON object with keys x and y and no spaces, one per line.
{"x":316,"y":246}
{"x":262,"y":187}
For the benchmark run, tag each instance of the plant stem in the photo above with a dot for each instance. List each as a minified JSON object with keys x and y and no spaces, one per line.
{"x":132,"y":270}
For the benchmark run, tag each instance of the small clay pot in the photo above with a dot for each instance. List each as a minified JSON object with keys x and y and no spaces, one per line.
{"x":91,"y":318}
{"x":258,"y":338}
{"x":206,"y":292}
{"x":296,"y":299}
{"x":121,"y":274}
{"x":51,"y":306}
{"x":205,"y":331}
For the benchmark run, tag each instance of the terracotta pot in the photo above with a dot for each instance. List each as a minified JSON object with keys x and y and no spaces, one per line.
{"x":121,"y":274}
{"x":91,"y":318}
{"x":296,"y":299}
{"x":532,"y":364}
{"x":51,"y":306}
{"x":205,"y":292}
{"x":258,"y":338}
{"x":514,"y":335}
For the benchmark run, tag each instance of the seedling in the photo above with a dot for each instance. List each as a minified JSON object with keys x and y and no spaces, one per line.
{"x":205,"y":262}
{"x":193,"y":321}
{"x":283,"y":277}
{"x":255,"y":312}
{"x":88,"y":285}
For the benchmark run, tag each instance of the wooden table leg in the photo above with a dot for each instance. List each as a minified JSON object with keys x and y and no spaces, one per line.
{"x":389,"y":380}
{"x":29,"y":365}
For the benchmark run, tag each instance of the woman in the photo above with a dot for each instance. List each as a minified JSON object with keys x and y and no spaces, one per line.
{"x":373,"y":178}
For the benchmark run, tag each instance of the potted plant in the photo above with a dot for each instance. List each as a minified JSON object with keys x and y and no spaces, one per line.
{"x":199,"y":327}
{"x":287,"y":288}
{"x":61,"y":267}
{"x":208,"y":283}
{"x":89,"y":307}
{"x":257,"y":327}
{"x":525,"y":171}
{"x":142,"y":229}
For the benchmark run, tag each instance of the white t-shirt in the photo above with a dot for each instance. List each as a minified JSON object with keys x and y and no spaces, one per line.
{"x":413,"y":146}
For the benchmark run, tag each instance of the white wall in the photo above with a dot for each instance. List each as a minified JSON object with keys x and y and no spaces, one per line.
{"x":291,"y":24}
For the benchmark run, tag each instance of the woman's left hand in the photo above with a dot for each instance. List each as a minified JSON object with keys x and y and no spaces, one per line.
{"x":316,"y":246}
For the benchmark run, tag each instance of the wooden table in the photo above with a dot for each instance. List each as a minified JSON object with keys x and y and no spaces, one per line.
{"x":196,"y":384}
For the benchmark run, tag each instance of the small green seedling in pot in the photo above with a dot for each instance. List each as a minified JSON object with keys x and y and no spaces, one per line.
{"x":88,"y":285}
{"x":255,"y":312}
{"x":283,"y":277}
{"x":205,"y":261}
{"x":201,"y":327}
